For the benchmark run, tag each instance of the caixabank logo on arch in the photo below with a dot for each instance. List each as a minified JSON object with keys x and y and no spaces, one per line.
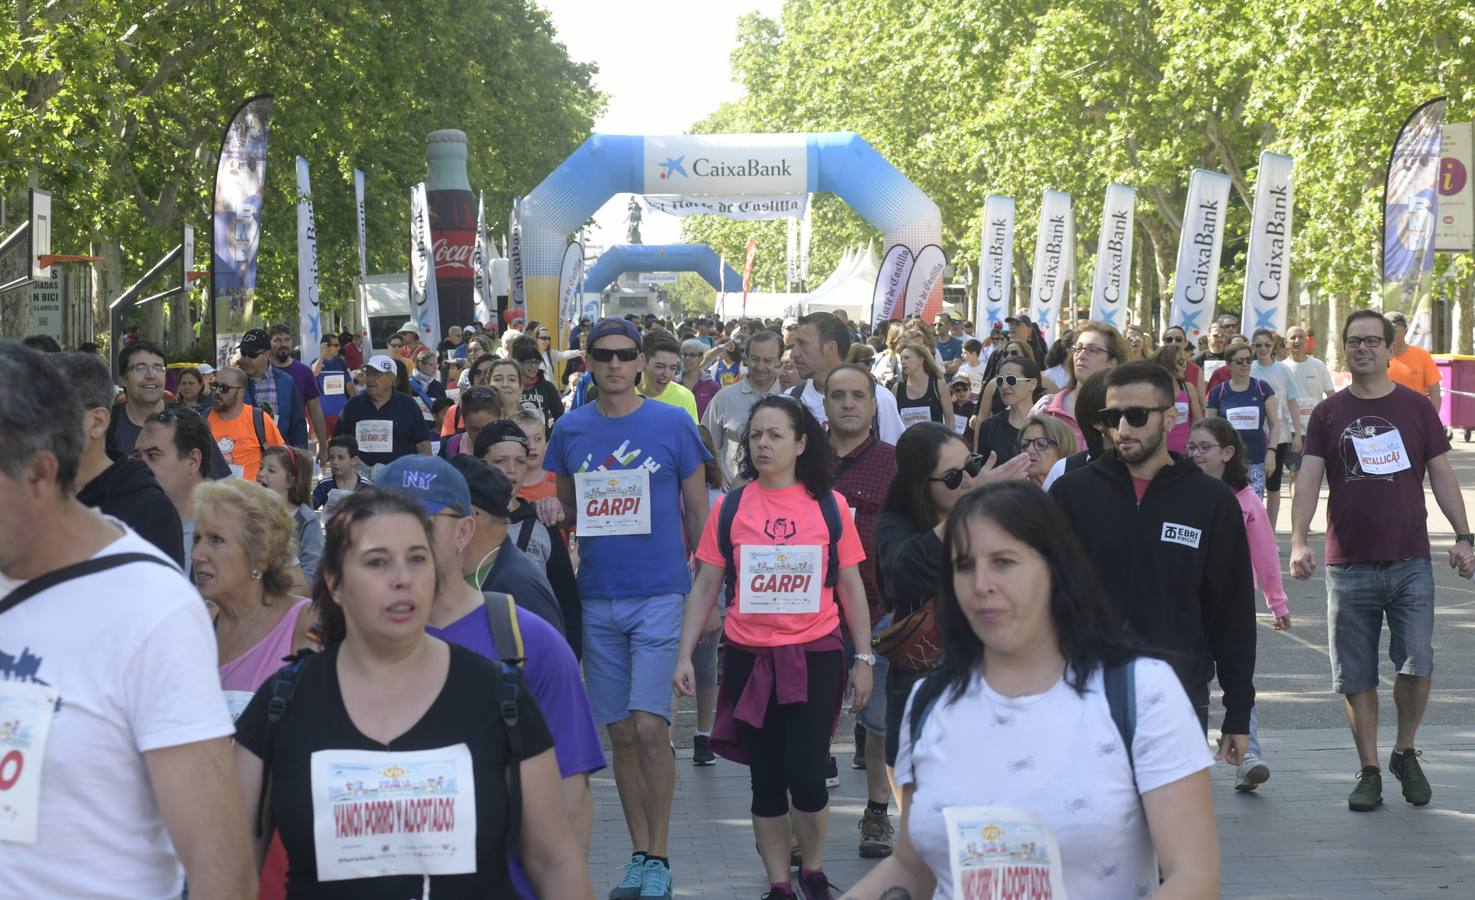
{"x":726,"y":164}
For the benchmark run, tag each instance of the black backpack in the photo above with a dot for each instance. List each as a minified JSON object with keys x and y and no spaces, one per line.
{"x":827,"y":507}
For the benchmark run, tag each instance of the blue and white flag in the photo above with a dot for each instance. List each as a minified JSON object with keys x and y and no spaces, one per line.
{"x":1196,"y":286}
{"x":1052,"y":265}
{"x":309,"y":313}
{"x":1268,"y":266}
{"x":1113,"y":282}
{"x":995,"y":263}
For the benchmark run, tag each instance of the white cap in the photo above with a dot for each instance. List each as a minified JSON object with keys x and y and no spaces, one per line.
{"x":409,"y":326}
{"x":382,"y":363}
{"x":790,"y":322}
{"x":206,"y":369}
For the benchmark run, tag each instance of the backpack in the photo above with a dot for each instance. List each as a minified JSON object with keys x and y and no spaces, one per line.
{"x":827,"y":507}
{"x":258,"y":422}
{"x":42,"y":583}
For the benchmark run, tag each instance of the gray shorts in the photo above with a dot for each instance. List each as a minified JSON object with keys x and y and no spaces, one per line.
{"x":1358,"y":596}
{"x":872,"y":716}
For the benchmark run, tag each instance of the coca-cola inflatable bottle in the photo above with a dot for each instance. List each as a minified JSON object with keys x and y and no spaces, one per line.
{"x":452,"y":226}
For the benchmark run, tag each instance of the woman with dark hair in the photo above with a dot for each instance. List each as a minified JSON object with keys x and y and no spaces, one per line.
{"x":783,"y":676}
{"x":920,"y":396}
{"x":991,"y":403}
{"x":1189,"y":400}
{"x":189,"y":390}
{"x":1253,"y":408}
{"x":1017,"y":385}
{"x":1217,"y":448}
{"x":1054,"y":366}
{"x":385,"y":694}
{"x":1097,"y":347}
{"x":1014,"y":729}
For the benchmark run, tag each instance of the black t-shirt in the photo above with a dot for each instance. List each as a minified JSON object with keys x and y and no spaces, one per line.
{"x":464,"y":714}
{"x":404,"y":418}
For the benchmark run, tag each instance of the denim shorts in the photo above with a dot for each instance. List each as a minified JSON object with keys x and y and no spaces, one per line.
{"x":630,"y":654}
{"x":1358,"y":596}
{"x":873,"y":715}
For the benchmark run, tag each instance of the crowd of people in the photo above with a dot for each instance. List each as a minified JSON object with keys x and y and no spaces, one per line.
{"x":432,"y":576}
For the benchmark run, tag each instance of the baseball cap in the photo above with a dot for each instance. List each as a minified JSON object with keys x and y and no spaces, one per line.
{"x":382,"y":363}
{"x":1397,"y":318}
{"x":255,"y":341}
{"x":471,"y":328}
{"x":429,"y":479}
{"x":612,"y":327}
{"x":206,"y":369}
{"x":491,"y":491}
{"x":513,"y":315}
{"x":497,"y":432}
{"x":962,"y":378}
{"x":1020,"y":319}
{"x":790,"y":322}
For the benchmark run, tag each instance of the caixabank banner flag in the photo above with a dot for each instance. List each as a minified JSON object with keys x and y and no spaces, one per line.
{"x":309,"y":316}
{"x":240,"y":188}
{"x":1052,"y":267}
{"x":995,"y":263}
{"x":516,"y":284}
{"x":481,"y":267}
{"x":1268,"y":266}
{"x":1410,"y":213}
{"x":1196,"y":286}
{"x":1113,"y":280}
{"x":424,"y":297}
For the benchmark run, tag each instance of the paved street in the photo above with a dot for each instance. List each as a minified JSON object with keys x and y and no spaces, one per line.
{"x":1293,"y":839}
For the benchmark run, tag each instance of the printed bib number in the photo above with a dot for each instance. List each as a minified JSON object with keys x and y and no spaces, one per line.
{"x":914,"y":415}
{"x":408,"y":813}
{"x":1243,"y":418}
{"x":375,"y":436}
{"x":998,"y":852}
{"x":1211,"y":366}
{"x":1182,"y":407}
{"x":960,"y":424}
{"x":236,"y":703}
{"x":613,"y":502}
{"x":333,"y":384}
{"x":25,"y":721}
{"x":779,"y":579}
{"x":1382,"y":454}
{"x":975,"y":383}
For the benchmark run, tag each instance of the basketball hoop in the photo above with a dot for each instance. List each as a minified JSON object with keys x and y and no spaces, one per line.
{"x":191,"y":276}
{"x":47,"y":260}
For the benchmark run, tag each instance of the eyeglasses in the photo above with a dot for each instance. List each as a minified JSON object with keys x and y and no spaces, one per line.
{"x":1038,"y":445}
{"x":1372,"y":343}
{"x":544,"y":337}
{"x":605,"y":354}
{"x":1205,"y":447}
{"x":1240,"y":361}
{"x":1174,"y":339}
{"x":1136,"y":416}
{"x":953,"y":478}
{"x":218,"y":388}
{"x":694,"y":355}
{"x":146,"y":369}
{"x":997,"y":338}
{"x":1010,"y":380}
{"x":1262,"y":345}
{"x":256,"y":354}
{"x":1091,"y":349}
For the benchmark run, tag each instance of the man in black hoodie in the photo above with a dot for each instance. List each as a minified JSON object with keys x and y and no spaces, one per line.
{"x":124,"y":489}
{"x":1169,"y":546}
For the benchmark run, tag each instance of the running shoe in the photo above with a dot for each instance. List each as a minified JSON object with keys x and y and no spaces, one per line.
{"x":858,"y":761}
{"x":629,"y":886}
{"x":1251,"y":774}
{"x":832,"y":774}
{"x":701,"y":751}
{"x":876,"y":835}
{"x":778,"y":893}
{"x":655,"y":881}
{"x":815,"y":886}
{"x":1368,"y":795}
{"x":1405,"y":767}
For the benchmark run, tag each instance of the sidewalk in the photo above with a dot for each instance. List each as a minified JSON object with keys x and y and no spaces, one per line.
{"x":1294,"y":840}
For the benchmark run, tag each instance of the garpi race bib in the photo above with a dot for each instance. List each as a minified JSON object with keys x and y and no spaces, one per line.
{"x":375,"y":436}
{"x":779,"y":579}
{"x":914,"y":415}
{"x":1381,"y":454}
{"x":1243,"y":418}
{"x":25,"y":721}
{"x":393,"y":813}
{"x":998,"y":852}
{"x":613,"y":502}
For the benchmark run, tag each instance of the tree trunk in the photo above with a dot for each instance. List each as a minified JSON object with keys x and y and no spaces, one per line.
{"x":1165,"y":258}
{"x":1337,"y":307}
{"x":1143,"y":305}
{"x":107,"y":286}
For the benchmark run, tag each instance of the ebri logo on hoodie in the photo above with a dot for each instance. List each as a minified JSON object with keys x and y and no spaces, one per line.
{"x":1181,"y":534}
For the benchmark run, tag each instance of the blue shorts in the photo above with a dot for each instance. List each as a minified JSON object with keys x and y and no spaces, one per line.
{"x":1358,"y":596}
{"x":630,"y":654}
{"x":873,"y":715}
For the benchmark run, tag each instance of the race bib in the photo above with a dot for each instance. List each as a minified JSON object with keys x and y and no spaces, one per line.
{"x":914,"y":415}
{"x":236,"y":703}
{"x":333,"y":384}
{"x":1381,"y":454}
{"x":998,"y":852}
{"x":25,"y":721}
{"x":975,"y":384}
{"x":237,"y":470}
{"x":960,"y":424}
{"x":782,"y":579}
{"x":1243,"y":418}
{"x":1182,"y":407}
{"x":375,"y":436}
{"x":380,"y":813}
{"x":613,"y":502}
{"x":1211,"y":366}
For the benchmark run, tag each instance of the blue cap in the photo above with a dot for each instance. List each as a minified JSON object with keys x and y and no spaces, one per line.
{"x":429,"y":479}
{"x":614,"y":327}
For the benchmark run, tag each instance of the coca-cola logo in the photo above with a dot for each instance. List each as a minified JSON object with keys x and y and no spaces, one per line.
{"x":453,"y":256}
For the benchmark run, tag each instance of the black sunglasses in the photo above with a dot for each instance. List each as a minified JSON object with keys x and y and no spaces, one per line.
{"x":1136,"y":416}
{"x":952,"y":478}
{"x":605,"y":354}
{"x":218,"y":388}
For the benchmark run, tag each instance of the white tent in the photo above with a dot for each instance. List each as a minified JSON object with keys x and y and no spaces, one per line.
{"x":849,"y":287}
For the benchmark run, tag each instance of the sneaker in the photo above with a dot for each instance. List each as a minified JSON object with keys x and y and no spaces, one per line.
{"x":1368,"y":795}
{"x":655,"y":881}
{"x":629,"y":886}
{"x":777,"y":893}
{"x":815,"y":886}
{"x":1405,"y":767}
{"x":832,"y":774}
{"x":858,"y":761}
{"x":1251,"y":774}
{"x":701,"y":751}
{"x":876,"y":835}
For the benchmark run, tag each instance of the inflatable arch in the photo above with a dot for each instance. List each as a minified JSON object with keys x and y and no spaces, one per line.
{"x":698,"y":258}
{"x":737,"y":165}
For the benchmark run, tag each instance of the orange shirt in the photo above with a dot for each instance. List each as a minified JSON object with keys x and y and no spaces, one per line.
{"x":1414,"y":368}
{"x":548,"y":487}
{"x":237,"y":440}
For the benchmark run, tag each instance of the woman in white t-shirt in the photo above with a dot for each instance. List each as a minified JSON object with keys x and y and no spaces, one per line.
{"x":1012,"y":764}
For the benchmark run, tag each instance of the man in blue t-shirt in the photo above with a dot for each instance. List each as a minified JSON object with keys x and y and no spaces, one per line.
{"x":459,"y":615}
{"x":627,"y":467}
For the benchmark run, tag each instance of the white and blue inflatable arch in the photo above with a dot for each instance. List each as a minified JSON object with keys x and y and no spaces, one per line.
{"x":840,"y":163}
{"x":698,"y":258}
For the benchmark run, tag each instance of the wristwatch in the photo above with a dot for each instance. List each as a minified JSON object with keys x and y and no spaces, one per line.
{"x":867,"y":658}
{"x":1467,"y":538}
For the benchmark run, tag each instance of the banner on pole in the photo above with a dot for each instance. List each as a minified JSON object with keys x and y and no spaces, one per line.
{"x":1113,"y":280}
{"x":806,"y":223}
{"x":995,"y":263}
{"x":891,"y":282}
{"x":1268,"y":265}
{"x":748,"y":271}
{"x":1410,"y":214}
{"x":1051,"y":270}
{"x":791,"y":254}
{"x":358,"y":204}
{"x":424,"y":301}
{"x":240,"y":189}
{"x":570,"y":285}
{"x":481,"y":268}
{"x":1456,"y":231}
{"x":309,"y":313}
{"x":927,"y":270}
{"x":1196,"y":286}
{"x":518,"y":298}
{"x":757,"y":208}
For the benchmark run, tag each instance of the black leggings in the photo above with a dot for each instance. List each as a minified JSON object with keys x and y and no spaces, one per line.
{"x":787,"y":757}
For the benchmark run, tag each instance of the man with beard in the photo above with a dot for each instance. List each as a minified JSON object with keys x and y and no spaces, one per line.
{"x":141,"y":369}
{"x":242,"y":432}
{"x":305,"y":382}
{"x":1169,"y":547}
{"x":272,"y":389}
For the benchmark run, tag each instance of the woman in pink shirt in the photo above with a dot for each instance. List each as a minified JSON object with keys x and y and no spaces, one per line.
{"x":784,"y":670}
{"x":1217,"y":448}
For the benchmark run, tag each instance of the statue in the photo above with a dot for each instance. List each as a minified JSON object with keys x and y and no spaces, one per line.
{"x":632,"y":221}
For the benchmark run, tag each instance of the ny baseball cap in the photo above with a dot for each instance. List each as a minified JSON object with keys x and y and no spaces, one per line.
{"x":255,"y":341}
{"x":614,"y":328}
{"x":491,"y":491}
{"x":429,"y":479}
{"x":497,"y":432}
{"x":380,"y":363}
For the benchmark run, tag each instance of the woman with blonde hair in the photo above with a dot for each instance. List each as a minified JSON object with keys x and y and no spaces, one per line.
{"x":287,"y":472}
{"x":920,"y":396}
{"x":887,"y":367}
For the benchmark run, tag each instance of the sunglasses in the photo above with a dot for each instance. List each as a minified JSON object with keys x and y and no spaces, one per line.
{"x":953,"y":478}
{"x":1240,"y":361}
{"x":605,"y":354}
{"x":1136,"y":416}
{"x":218,"y":388}
{"x":1010,"y":380}
{"x":1175,"y":339}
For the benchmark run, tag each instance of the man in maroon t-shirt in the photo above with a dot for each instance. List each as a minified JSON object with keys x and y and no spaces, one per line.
{"x":1374,"y":441}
